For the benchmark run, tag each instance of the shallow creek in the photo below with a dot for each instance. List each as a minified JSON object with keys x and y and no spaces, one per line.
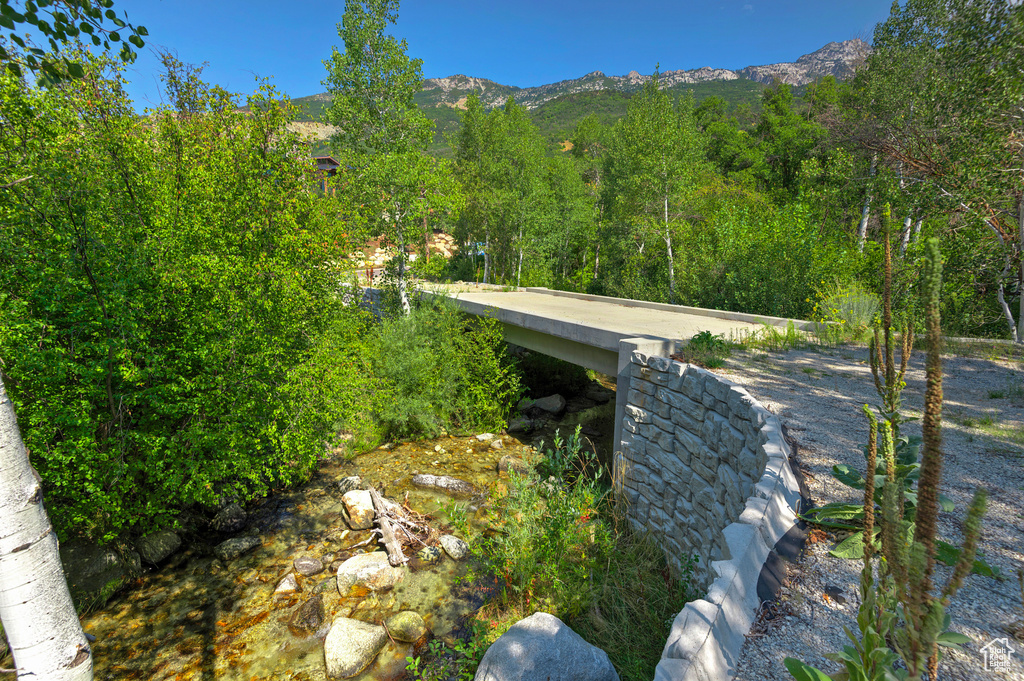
{"x":199,"y":618}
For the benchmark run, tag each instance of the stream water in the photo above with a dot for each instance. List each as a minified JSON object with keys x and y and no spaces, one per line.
{"x":199,"y":618}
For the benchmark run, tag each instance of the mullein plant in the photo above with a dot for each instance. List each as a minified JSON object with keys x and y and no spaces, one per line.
{"x":889,"y":384}
{"x":902,"y":615}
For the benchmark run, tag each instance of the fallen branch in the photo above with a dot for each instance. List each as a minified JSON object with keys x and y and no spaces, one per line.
{"x":387,"y":533}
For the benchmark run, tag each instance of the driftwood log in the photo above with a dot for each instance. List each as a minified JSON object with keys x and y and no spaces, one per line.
{"x":382,"y":511}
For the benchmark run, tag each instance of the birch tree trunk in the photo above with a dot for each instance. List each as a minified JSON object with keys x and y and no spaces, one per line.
{"x":403,"y":289}
{"x":906,"y":235}
{"x":487,"y":254}
{"x":42,"y":627}
{"x":597,"y":258}
{"x":671,"y":261}
{"x":519,"y":267}
{"x":862,"y":228}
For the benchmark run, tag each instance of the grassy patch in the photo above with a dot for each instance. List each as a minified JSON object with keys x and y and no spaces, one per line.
{"x":561,"y":545}
{"x":705,"y":349}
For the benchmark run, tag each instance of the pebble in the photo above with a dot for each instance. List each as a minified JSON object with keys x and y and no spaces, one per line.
{"x":307,"y":566}
{"x":288,"y":585}
{"x":453,"y":546}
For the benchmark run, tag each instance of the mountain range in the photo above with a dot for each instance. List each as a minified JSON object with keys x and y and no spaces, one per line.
{"x":557,"y":107}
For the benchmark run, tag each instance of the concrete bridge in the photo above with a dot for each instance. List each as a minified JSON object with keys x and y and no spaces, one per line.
{"x":600,"y":332}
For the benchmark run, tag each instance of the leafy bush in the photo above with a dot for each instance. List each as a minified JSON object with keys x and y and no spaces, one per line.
{"x":850,"y":308}
{"x":163,"y":319}
{"x":440,"y":370}
{"x":705,"y":349}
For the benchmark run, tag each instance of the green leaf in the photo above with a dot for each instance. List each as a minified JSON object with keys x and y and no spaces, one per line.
{"x":946,"y":504}
{"x":850,"y":548}
{"x":952,"y":639}
{"x":848,"y":476}
{"x":804,"y":672}
{"x":75,"y":70}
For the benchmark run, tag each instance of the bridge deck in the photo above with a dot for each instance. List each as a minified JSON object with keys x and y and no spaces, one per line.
{"x":602,"y":322}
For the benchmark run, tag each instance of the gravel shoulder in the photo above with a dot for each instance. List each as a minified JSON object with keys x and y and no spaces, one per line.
{"x":818,"y":395}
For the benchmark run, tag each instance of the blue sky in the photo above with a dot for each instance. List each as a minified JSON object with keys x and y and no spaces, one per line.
{"x":520,"y":43}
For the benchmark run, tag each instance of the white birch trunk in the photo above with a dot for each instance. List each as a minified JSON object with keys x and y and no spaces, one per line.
{"x":519,"y":267}
{"x":487,"y":255}
{"x":403,"y":288}
{"x":906,"y":235}
{"x":42,"y":627}
{"x":597,"y":258}
{"x":862,"y":228}
{"x":671,"y":260}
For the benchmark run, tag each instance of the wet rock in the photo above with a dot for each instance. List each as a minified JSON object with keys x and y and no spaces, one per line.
{"x":542,"y":647}
{"x":430,"y":555}
{"x":524,"y":404}
{"x":309,"y":616}
{"x":443,"y":483}
{"x":600,"y":396}
{"x":552,"y":404}
{"x":406,"y":626}
{"x":287,"y":585}
{"x":307,"y":566}
{"x":325,"y":586}
{"x":360,"y":509}
{"x":229,"y":519}
{"x":91,"y":568}
{"x":352,"y":482}
{"x":155,"y":547}
{"x":234,"y":547}
{"x":350,"y":646}
{"x":520,"y":424}
{"x":509,"y":462}
{"x":453,"y":546}
{"x":370,"y":570}
{"x":485,"y":437}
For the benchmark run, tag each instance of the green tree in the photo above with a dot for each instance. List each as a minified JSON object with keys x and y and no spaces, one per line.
{"x":383,"y":134}
{"x":943,"y":113}
{"x":61,"y":22}
{"x":653,"y":165}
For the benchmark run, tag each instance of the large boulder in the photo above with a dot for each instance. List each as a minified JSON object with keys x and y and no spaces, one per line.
{"x":234,"y":547}
{"x":444,"y":483}
{"x":359,"y":506}
{"x":453,"y":546}
{"x":156,"y":547}
{"x":552,"y":404}
{"x":309,"y":616}
{"x":230,"y":519}
{"x":96,"y":572}
{"x":406,"y":625}
{"x":369,"y":570}
{"x":351,"y":645}
{"x":542,"y":648}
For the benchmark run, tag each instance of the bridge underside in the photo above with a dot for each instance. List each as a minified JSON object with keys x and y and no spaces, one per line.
{"x":581,"y":354}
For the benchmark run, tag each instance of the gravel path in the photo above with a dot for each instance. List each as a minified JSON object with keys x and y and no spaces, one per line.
{"x":818,"y":394}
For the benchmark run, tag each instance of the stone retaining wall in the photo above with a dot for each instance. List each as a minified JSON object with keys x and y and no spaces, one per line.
{"x":705,"y":468}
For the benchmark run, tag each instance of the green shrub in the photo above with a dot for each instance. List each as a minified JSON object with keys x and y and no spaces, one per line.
{"x":850,"y":309}
{"x":163,"y":320}
{"x":705,"y":349}
{"x":440,"y":370}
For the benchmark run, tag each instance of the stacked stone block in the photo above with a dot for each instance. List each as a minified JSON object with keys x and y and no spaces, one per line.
{"x":690,"y":456}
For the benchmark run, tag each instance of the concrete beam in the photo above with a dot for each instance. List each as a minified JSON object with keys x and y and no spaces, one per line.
{"x":574,"y":352}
